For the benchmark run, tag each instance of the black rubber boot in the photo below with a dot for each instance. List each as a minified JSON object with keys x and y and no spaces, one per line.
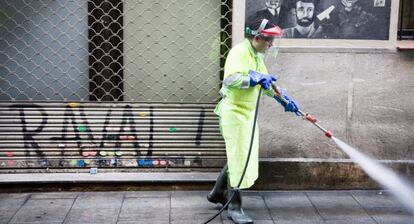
{"x":218,"y":193}
{"x":235,"y":210}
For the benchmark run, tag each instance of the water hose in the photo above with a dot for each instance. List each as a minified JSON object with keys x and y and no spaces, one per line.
{"x":247,"y":160}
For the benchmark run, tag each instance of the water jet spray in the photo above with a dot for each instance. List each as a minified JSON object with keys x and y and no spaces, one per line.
{"x":399,"y":186}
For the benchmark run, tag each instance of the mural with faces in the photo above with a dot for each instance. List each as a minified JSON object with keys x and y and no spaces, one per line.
{"x":326,"y":19}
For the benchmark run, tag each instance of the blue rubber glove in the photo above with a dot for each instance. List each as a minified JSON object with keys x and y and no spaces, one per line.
{"x":290,"y":105}
{"x":262,"y":79}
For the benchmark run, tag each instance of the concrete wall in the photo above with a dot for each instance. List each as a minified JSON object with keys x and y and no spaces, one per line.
{"x":361,"y":90}
{"x":365,"y":98}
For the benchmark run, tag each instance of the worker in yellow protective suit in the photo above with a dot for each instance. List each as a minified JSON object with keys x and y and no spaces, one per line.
{"x":244,"y":75}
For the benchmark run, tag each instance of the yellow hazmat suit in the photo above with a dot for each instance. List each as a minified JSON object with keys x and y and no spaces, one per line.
{"x":236,"y":111}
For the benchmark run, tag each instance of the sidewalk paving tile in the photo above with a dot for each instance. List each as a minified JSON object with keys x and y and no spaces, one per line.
{"x":14,"y":195}
{"x":383,"y":207}
{"x":191,"y":205}
{"x":96,"y":207}
{"x":43,"y":211}
{"x":373,"y":199}
{"x":391,"y":216}
{"x":144,"y":209}
{"x":146,"y":194}
{"x":350,"y":222}
{"x":9,"y":205}
{"x":196,"y":221}
{"x":291,"y":206}
{"x":144,"y":222}
{"x":255,"y":207}
{"x":336,"y":206}
{"x":299,"y":222}
{"x":52,"y":195}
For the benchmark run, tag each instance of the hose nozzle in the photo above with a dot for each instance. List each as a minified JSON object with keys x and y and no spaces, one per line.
{"x":328,"y":134}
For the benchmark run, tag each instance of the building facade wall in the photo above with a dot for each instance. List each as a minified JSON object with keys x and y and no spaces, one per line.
{"x":365,"y":98}
{"x":359,"y":89}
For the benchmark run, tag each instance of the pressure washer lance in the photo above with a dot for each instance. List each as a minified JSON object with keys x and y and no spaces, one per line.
{"x":304,"y":115}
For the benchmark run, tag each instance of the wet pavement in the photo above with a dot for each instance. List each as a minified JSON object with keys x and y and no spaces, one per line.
{"x":181,"y":207}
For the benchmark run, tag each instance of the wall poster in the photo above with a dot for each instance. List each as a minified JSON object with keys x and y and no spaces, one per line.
{"x":326,"y":19}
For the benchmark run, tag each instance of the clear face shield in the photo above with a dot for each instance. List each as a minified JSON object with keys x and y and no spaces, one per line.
{"x":271,"y":40}
{"x":273,"y":51}
{"x":272,"y":36}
